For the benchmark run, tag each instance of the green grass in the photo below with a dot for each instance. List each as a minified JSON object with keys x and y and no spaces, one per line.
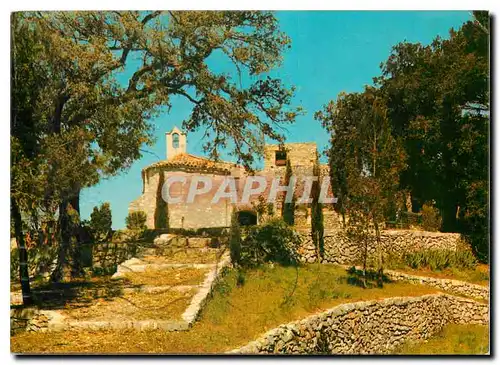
{"x":244,"y":306}
{"x":449,"y":264}
{"x":479,"y":275}
{"x":453,"y":339}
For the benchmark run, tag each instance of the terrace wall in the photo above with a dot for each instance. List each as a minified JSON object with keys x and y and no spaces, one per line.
{"x":373,"y":327}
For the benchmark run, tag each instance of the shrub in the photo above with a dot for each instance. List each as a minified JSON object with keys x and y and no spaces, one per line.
{"x":41,"y":260}
{"x":440,"y":259}
{"x":161,"y":211}
{"x":274,"y":241}
{"x":136,"y":220}
{"x":431,"y":218}
{"x":464,"y":259}
{"x":100,"y":222}
{"x":317,"y":227}
{"x":235,"y":241}
{"x":288,"y":209}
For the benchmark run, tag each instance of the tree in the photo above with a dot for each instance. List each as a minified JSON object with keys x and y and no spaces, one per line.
{"x":438,"y":102}
{"x":365,"y":162}
{"x":317,"y":227}
{"x":235,"y":240}
{"x":288,"y":209}
{"x":136,"y":220}
{"x":101,"y":222}
{"x":161,"y":211}
{"x":26,"y":192}
{"x":88,"y":124}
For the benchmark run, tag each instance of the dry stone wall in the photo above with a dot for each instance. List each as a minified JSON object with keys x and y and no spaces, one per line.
{"x":373,"y":327}
{"x":339,"y":249}
{"x":34,"y":320}
{"x":109,"y":255}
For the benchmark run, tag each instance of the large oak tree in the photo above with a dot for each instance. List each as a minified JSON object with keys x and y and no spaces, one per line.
{"x":81,"y":122}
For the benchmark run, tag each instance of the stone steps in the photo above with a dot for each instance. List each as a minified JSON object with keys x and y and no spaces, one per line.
{"x":162,"y":256}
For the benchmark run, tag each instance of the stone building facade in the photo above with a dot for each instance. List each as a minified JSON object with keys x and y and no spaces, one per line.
{"x":203,"y":213}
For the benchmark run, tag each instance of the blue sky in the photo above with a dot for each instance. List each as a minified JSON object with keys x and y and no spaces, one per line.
{"x":332,"y":51}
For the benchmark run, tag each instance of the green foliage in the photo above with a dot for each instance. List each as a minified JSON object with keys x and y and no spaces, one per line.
{"x":136,"y":220}
{"x":365,"y":160}
{"x":235,"y":240}
{"x":161,"y":210}
{"x":437,"y":260}
{"x":288,"y":211}
{"x":431,"y":218}
{"x":317,"y":227}
{"x":240,"y":278}
{"x":274,"y":241}
{"x":437,"y":98}
{"x":429,"y":110}
{"x":40,"y":260}
{"x":100,"y":222}
{"x":73,"y":123}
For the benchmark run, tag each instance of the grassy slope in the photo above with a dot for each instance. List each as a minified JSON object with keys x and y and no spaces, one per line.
{"x":479,"y":275}
{"x":453,"y":339}
{"x":236,"y":314}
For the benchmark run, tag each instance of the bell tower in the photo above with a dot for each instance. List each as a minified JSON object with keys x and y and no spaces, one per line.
{"x":176,"y":143}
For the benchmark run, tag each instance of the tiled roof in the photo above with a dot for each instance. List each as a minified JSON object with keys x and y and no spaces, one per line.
{"x":186,"y":160}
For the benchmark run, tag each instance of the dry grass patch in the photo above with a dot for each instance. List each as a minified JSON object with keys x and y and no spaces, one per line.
{"x":166,"y":277}
{"x":244,"y":306}
{"x":453,"y":339}
{"x":134,"y":306}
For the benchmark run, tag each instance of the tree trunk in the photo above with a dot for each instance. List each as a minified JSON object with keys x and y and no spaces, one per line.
{"x":62,"y":268}
{"x":449,"y":214}
{"x":23,"y":253}
{"x":365,"y":257}
{"x":380,"y":271}
{"x":77,"y":268}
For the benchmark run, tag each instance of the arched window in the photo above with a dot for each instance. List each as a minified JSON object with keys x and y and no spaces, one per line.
{"x":175,"y":140}
{"x":246,"y":218}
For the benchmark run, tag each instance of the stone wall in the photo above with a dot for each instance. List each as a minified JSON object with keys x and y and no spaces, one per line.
{"x":339,"y":249}
{"x":202,"y":213}
{"x":374,"y":327}
{"x":108,"y":256}
{"x":34,"y":320}
{"x":299,"y":154}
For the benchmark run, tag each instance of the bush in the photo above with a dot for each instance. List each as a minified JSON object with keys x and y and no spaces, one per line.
{"x":288,"y":209}
{"x":274,"y":241}
{"x":440,"y":259}
{"x":235,"y":241}
{"x":100,"y":222}
{"x":41,"y":260}
{"x":136,"y":220}
{"x":431,"y":218}
{"x":161,"y":211}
